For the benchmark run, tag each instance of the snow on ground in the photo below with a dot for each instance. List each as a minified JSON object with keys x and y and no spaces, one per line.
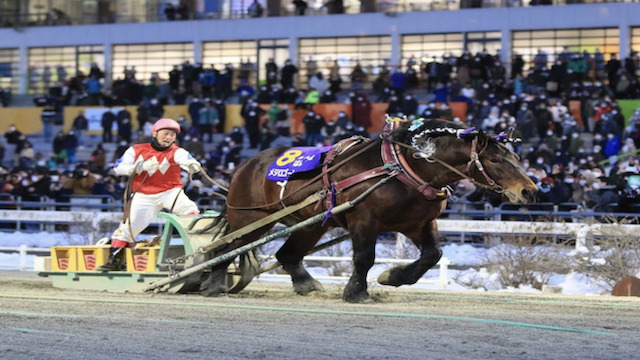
{"x":462,"y":255}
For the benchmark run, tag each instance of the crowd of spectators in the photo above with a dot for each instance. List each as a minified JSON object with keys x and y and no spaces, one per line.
{"x":586,"y":157}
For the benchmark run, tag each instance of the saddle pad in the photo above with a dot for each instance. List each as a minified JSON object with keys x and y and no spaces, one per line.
{"x":294,"y":160}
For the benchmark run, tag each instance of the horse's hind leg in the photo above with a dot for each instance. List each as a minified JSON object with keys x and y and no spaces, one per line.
{"x":291,"y":254}
{"x":426,"y":241}
{"x":216,"y":283}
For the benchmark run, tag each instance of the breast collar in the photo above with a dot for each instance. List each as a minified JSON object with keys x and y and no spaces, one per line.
{"x":392,"y":156}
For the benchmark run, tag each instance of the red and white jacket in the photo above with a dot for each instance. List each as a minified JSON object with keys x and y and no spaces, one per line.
{"x":167,"y":175}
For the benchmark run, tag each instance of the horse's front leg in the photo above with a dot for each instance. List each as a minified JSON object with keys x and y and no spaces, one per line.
{"x":430,"y":254}
{"x":290,"y":255}
{"x":364,"y":253}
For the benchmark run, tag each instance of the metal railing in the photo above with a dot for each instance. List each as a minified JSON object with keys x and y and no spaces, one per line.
{"x":74,"y":202}
{"x":563,"y":212}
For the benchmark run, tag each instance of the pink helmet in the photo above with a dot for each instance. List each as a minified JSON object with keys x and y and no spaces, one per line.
{"x":165,"y":124}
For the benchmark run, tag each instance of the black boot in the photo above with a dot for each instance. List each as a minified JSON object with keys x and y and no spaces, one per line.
{"x":115,"y":262}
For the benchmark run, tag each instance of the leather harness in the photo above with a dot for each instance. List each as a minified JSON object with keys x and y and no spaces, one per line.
{"x":394,"y":164}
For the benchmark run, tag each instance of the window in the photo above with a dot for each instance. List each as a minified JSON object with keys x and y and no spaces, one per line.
{"x":553,"y":42}
{"x":50,"y":65}
{"x":370,"y":52}
{"x":424,"y":48}
{"x":9,"y":69}
{"x":149,"y":61}
{"x":241,"y":55}
{"x":635,"y":39}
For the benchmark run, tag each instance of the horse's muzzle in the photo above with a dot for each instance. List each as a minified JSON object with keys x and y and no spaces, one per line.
{"x":529,"y":196}
{"x":526,"y":196}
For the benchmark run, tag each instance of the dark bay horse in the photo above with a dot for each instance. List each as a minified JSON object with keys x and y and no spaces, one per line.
{"x":407,"y":171}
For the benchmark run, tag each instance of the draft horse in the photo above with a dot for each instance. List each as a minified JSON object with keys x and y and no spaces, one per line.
{"x":406,"y":171}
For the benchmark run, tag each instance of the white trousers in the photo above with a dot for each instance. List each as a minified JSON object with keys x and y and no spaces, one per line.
{"x":144,"y":208}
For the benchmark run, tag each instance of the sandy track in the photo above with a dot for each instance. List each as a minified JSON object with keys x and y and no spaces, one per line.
{"x":268,"y":321}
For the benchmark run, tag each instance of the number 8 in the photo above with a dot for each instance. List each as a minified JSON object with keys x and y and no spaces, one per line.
{"x":288,"y":157}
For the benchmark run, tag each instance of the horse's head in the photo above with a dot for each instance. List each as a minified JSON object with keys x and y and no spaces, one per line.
{"x":501,"y":165}
{"x":464,"y":153}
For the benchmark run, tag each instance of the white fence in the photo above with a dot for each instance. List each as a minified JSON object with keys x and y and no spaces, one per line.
{"x":442,"y":281}
{"x":581,"y":232}
{"x":23,"y":251}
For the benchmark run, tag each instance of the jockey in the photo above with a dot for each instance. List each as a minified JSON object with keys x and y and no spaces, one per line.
{"x":155,"y":168}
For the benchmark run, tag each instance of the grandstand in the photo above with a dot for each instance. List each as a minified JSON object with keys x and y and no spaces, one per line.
{"x":118,"y":37}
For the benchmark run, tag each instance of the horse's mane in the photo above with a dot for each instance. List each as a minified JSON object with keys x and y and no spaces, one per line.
{"x":417,"y":132}
{"x":409,"y":129}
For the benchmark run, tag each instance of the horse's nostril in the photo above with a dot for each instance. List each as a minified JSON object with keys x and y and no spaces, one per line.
{"x":529,"y":195}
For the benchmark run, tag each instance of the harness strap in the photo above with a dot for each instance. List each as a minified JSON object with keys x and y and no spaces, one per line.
{"x":391,"y":154}
{"x":358,"y":178}
{"x":475,"y":160}
{"x":264,"y":221}
{"x":332,"y":154}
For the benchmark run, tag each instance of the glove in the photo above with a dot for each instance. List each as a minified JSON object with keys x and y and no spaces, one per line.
{"x":148,"y":166}
{"x":194,"y":168}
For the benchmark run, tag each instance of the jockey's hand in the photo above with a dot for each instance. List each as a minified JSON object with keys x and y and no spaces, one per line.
{"x":194,"y":168}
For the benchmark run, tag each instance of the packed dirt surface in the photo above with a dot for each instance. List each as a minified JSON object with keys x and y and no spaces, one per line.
{"x":268,"y":321}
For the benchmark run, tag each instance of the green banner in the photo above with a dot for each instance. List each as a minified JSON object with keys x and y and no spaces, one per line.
{"x":627,"y":107}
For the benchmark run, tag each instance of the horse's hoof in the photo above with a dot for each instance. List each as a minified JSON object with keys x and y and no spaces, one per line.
{"x":390,"y":277}
{"x":308,"y":287}
{"x":212,"y":293}
{"x":207,"y":289}
{"x":357,"y":295}
{"x":361,"y":298}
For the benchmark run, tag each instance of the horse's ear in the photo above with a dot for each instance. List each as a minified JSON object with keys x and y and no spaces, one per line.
{"x":401,"y":132}
{"x":483,"y":138}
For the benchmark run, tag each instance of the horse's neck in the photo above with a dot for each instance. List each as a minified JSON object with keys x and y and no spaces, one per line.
{"x":436,"y":174}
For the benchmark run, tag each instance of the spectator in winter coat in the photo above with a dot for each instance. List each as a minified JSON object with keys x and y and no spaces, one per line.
{"x":71,"y":146}
{"x":79,"y":126}
{"x":59,"y":147}
{"x":48,"y":117}
{"x":409,"y":105}
{"x":124,"y":125}
{"x":208,"y":118}
{"x":221,"y":108}
{"x":313,"y":124}
{"x":143,"y":115}
{"x":612,"y":145}
{"x":361,"y":107}
{"x":318,"y":82}
{"x":550,"y":192}
{"x":82,"y":181}
{"x":398,"y":81}
{"x":287,"y":74}
{"x":599,"y":194}
{"x":98,"y":160}
{"x":108,"y":118}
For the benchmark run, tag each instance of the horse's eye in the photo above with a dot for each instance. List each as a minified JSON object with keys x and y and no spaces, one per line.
{"x":495,"y":160}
